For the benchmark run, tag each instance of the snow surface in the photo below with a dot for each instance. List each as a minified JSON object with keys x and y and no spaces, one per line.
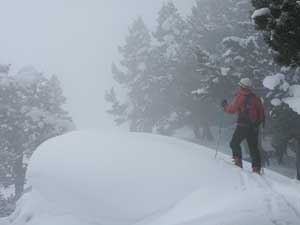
{"x":294,"y":103}
{"x":7,"y":192}
{"x":276,"y":102}
{"x":295,"y":90}
{"x":294,"y":100}
{"x":243,"y":42}
{"x":111,"y":178}
{"x":200,"y":91}
{"x":225,"y":71}
{"x":278,"y":80}
{"x":261,"y":12}
{"x":272,"y":82}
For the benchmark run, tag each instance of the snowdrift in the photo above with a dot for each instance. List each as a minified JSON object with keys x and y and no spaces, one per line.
{"x":115,"y":178}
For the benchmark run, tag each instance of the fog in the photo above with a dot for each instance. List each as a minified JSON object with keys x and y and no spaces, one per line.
{"x":206,"y":95}
{"x":76,"y":40}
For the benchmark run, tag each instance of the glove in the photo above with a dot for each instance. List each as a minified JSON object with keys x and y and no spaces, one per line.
{"x":224,"y":103}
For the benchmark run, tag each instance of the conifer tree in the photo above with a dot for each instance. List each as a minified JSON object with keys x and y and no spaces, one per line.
{"x":134,"y":78}
{"x":31,"y":111}
{"x":280,"y":20}
{"x":171,"y":59}
{"x":180,"y":61}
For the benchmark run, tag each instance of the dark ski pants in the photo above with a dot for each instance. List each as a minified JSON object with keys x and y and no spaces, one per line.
{"x":251,"y":135}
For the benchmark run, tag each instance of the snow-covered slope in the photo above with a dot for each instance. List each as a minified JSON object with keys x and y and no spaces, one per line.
{"x":105,"y":178}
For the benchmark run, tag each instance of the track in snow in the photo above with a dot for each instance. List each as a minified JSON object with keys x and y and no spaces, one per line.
{"x":276,"y":203}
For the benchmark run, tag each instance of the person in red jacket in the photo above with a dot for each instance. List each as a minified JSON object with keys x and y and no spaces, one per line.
{"x":251,"y":115}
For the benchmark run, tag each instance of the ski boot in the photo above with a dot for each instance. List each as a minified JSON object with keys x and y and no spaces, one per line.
{"x":238,"y":162}
{"x":256,"y":170}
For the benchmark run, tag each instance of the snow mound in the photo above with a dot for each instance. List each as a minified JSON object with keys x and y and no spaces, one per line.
{"x":261,"y":12}
{"x":295,"y":91}
{"x":278,"y":81}
{"x":272,"y":82}
{"x":121,"y":179}
{"x":200,"y":91}
{"x":242,"y":42}
{"x":113,"y":178}
{"x":294,"y":100}
{"x":276,"y":102}
{"x":294,"y":103}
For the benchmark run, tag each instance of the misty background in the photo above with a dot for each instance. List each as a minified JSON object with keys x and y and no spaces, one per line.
{"x":77,"y":41}
{"x":148,"y":66}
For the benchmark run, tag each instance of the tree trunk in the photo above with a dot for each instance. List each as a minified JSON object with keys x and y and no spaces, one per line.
{"x":196,"y":130}
{"x":148,"y":126}
{"x":298,"y":161}
{"x":264,"y":155}
{"x":19,"y":173}
{"x":133,"y":126}
{"x":207,"y":134}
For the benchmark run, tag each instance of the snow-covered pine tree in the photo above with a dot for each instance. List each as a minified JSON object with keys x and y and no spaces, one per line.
{"x":204,"y":109}
{"x":281,"y":100}
{"x":7,"y":206}
{"x":247,"y":55}
{"x":117,"y":109}
{"x":207,"y":30}
{"x":172,"y":63}
{"x":222,"y":32}
{"x":31,"y":111}
{"x":133,"y":76}
{"x":219,"y":33}
{"x":235,"y":43}
{"x":280,"y":20}
{"x":176,"y":64}
{"x":238,"y":48}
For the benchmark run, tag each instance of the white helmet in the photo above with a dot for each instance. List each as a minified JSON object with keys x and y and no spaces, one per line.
{"x":245,"y":83}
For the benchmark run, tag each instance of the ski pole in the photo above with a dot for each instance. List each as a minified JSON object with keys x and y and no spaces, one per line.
{"x":220,"y":134}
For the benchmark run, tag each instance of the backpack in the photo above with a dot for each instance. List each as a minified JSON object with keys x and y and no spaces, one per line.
{"x":252,"y":112}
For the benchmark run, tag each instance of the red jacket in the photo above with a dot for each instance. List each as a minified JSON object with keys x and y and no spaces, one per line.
{"x":254,"y":113}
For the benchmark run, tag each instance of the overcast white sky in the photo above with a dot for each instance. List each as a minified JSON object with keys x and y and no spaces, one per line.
{"x":75,"y":39}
